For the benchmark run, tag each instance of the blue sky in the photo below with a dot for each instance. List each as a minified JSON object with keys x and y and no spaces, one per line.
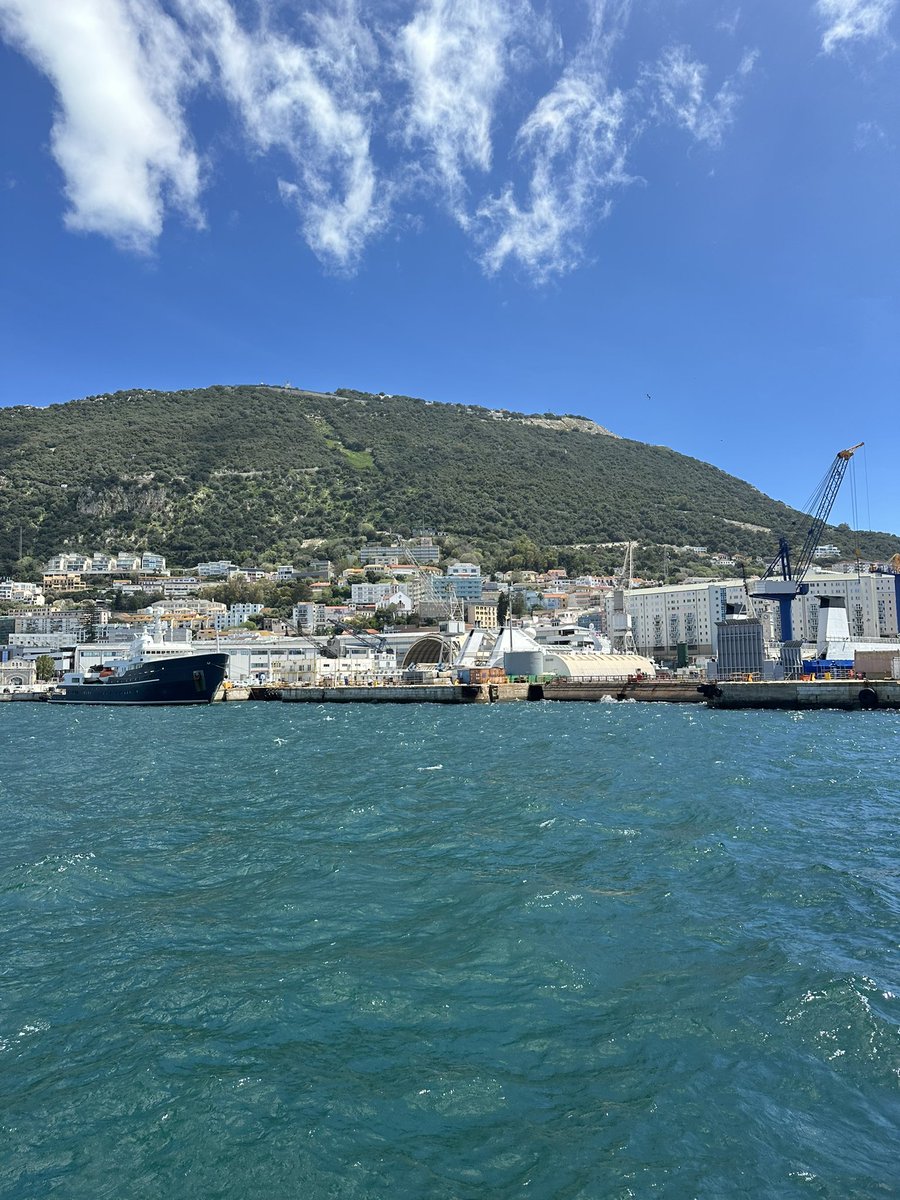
{"x":677,"y":217}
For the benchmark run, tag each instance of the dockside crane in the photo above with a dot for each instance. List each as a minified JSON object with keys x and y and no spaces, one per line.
{"x":374,"y":641}
{"x":621,"y":625}
{"x":783,"y":579}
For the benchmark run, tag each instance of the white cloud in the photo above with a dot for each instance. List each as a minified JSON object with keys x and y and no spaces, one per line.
{"x":574,"y":143}
{"x":870,"y":134}
{"x":729,"y":22}
{"x":310,"y":101}
{"x":429,"y":96}
{"x":455,"y":57}
{"x":119,"y":137}
{"x":680,"y":84}
{"x":854,"y":21}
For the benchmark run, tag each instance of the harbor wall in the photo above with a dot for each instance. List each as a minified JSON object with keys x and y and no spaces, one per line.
{"x":644,"y":690}
{"x":851,"y":694}
{"x":426,"y":693}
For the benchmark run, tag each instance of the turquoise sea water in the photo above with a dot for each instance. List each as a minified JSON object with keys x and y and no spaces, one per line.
{"x":551,"y":951}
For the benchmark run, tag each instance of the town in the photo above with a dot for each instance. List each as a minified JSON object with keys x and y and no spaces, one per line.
{"x":402,"y":611}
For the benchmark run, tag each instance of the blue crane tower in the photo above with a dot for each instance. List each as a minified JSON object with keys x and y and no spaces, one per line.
{"x":783,"y":580}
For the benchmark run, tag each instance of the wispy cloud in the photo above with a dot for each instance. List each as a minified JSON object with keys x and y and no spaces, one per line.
{"x":310,"y":101}
{"x":855,"y":21}
{"x":870,"y":134}
{"x":573,"y":145}
{"x":577,"y":140}
{"x":519,"y":126}
{"x":119,"y":136}
{"x":455,"y":57}
{"x":681,"y":94}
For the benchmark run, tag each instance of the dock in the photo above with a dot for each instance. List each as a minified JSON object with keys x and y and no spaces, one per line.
{"x":848,"y":694}
{"x":412,"y":693}
{"x":663,"y":691}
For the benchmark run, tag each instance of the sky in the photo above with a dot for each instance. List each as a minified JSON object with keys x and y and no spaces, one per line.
{"x":676,"y":217}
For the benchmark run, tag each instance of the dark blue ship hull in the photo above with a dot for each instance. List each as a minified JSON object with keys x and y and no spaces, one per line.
{"x":187,"y":679}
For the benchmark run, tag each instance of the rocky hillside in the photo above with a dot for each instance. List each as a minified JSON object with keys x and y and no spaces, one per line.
{"x":254,"y":473}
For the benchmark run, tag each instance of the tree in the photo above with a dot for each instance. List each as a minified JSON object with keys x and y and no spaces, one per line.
{"x":45,"y":668}
{"x":502,"y":608}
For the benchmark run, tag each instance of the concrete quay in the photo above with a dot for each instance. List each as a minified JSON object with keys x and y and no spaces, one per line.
{"x":850,"y":694}
{"x":409,"y":693}
{"x":665,"y":691}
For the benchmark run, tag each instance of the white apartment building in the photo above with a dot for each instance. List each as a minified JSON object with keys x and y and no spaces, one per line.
{"x":664,"y":617}
{"x":375,"y":555}
{"x":185,"y":606}
{"x":236,"y":615}
{"x":126,"y":562}
{"x":221,"y":569}
{"x":21,"y":593}
{"x":152,"y":564}
{"x":180,"y":586}
{"x":372,"y":593}
{"x":309,"y":617}
{"x":871,"y":602}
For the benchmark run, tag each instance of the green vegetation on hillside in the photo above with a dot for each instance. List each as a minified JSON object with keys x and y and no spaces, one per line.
{"x":253,"y":473}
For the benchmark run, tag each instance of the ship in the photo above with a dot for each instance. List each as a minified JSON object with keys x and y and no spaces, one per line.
{"x":146,"y":677}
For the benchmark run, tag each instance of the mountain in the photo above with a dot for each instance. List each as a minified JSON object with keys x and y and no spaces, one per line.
{"x":253,"y":472}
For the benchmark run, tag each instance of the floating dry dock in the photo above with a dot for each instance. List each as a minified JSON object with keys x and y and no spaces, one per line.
{"x":496,"y":692}
{"x":854,"y":694}
{"x":411,"y":693}
{"x":665,"y":691}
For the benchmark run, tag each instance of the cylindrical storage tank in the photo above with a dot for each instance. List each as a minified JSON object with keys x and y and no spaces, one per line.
{"x":523,"y":662}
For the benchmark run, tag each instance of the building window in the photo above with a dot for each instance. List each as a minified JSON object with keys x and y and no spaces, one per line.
{"x":858,"y":623}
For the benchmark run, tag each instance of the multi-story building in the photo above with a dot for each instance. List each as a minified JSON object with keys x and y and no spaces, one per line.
{"x":66,"y":621}
{"x":371,"y":593}
{"x":63,"y":581}
{"x":152,"y":564}
{"x":179,"y":586}
{"x":664,"y":617}
{"x":373,"y":554}
{"x":319,"y":568}
{"x":482,"y":614}
{"x":466,"y":580}
{"x":679,"y":614}
{"x":127,"y":562}
{"x":236,"y":616}
{"x":21,"y":593}
{"x":309,"y":617}
{"x":872,"y":602}
{"x":184,"y":607}
{"x":222,"y":569}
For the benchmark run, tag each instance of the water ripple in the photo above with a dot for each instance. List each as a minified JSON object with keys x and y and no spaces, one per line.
{"x":561,"y":951}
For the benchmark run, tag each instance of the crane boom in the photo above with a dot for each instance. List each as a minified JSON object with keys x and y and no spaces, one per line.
{"x":827,"y":495}
{"x":782,"y":579}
